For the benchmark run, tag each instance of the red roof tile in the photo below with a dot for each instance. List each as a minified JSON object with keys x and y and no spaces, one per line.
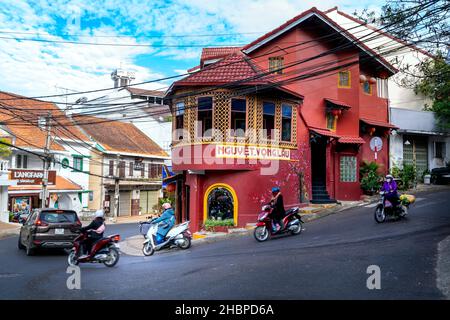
{"x":235,"y":67}
{"x":378,"y":123}
{"x":338,"y":103}
{"x":324,"y":132}
{"x":216,"y":53}
{"x":351,"y":139}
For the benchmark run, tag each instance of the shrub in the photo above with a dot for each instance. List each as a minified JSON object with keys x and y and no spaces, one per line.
{"x":370,"y":178}
{"x":210,"y":223}
{"x":407,"y":176}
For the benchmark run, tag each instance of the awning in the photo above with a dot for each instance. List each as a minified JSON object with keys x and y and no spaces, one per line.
{"x":351,"y":139}
{"x":172,"y":179}
{"x":378,"y":123}
{"x":337,"y":104}
{"x":61,"y":185}
{"x":324,"y":132}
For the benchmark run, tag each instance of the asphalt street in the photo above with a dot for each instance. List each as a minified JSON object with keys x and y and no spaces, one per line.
{"x":328,"y":260}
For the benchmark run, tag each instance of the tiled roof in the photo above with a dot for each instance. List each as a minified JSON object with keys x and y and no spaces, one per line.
{"x":378,"y":123}
{"x":21,"y":115}
{"x":117,"y":136}
{"x":324,"y":132}
{"x":338,"y":103}
{"x":351,"y":139}
{"x":145,"y":92}
{"x":235,"y":67}
{"x":60,"y":184}
{"x":323,"y":16}
{"x":216,"y":53}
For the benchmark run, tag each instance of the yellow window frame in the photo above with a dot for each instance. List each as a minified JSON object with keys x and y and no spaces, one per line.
{"x":349,"y":80}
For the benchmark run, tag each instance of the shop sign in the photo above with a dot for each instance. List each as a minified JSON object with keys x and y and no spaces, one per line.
{"x":32,"y":177}
{"x":252,"y":152}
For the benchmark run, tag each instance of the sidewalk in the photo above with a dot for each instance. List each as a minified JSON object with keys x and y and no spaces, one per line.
{"x":9,"y":229}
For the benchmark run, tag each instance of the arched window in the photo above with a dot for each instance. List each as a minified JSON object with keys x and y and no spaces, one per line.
{"x":220,"y":204}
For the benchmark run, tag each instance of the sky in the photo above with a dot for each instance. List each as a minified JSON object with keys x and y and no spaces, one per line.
{"x":163,"y":38}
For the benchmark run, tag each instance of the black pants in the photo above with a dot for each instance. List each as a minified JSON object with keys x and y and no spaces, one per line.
{"x":394,"y":199}
{"x":89,"y":242}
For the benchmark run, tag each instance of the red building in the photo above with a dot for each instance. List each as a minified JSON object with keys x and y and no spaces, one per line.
{"x":299,"y":108}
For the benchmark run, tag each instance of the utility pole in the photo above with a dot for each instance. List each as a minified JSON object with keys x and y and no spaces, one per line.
{"x":46,"y":161}
{"x":116,"y":189}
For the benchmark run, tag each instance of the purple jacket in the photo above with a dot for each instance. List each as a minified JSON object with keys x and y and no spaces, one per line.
{"x":389,"y":188}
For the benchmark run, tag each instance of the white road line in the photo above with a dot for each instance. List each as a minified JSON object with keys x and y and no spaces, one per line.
{"x":372,"y":205}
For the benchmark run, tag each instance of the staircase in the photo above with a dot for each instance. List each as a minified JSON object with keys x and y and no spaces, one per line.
{"x":320,"y":194}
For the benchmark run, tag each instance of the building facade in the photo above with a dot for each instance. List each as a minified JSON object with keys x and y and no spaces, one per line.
{"x":268,"y":114}
{"x":418,"y":141}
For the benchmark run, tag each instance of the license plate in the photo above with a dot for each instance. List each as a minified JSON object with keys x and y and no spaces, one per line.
{"x":59,"y":231}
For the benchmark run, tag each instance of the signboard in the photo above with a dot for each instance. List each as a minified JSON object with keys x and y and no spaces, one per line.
{"x":252,"y":152}
{"x":376,"y":144}
{"x":32,"y":177}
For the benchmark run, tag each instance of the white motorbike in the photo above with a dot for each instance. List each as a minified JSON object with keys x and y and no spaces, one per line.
{"x":178,"y":236}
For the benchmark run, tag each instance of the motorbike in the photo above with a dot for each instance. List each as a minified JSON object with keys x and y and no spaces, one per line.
{"x":291,"y":222}
{"x":386,"y":209}
{"x":179,"y":236}
{"x":105,"y":250}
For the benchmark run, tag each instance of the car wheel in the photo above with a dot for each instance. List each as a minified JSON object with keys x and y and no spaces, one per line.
{"x":20,"y":245}
{"x":30,"y":251}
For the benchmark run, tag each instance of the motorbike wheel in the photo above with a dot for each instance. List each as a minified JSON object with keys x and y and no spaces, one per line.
{"x":72,"y":258}
{"x":113,"y":258}
{"x":261,"y":234}
{"x":148,"y":250}
{"x":186,"y":244}
{"x":380,"y":216}
{"x":298,"y":230}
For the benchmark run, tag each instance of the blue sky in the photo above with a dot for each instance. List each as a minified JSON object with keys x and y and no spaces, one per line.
{"x":165,"y":34}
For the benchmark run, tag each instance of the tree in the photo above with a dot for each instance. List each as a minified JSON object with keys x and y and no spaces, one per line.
{"x":5,"y":151}
{"x":435,"y":84}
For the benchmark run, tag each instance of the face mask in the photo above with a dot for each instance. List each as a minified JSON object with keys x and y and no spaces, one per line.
{"x":389,"y":180}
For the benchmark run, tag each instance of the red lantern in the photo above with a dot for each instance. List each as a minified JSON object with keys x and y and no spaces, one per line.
{"x":171,"y":187}
{"x":336,"y":112}
{"x":362,"y":78}
{"x":372,"y":130}
{"x":372,"y":80}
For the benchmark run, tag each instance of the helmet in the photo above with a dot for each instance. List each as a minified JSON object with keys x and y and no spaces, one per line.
{"x":99,"y":213}
{"x":275,"y":189}
{"x":166,"y":206}
{"x":389,"y":176}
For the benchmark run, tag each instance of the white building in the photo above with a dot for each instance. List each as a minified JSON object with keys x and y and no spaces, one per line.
{"x":143,"y":108}
{"x":418,"y":140}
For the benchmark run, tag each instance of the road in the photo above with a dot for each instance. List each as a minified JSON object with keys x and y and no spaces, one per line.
{"x":328,"y":260}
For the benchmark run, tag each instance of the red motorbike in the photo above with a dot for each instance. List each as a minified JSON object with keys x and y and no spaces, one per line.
{"x":291,"y":222}
{"x":105,"y":250}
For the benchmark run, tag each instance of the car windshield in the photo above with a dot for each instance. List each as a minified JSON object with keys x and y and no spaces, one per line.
{"x":58,"y":217}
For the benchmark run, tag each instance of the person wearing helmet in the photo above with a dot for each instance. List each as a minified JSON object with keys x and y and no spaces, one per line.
{"x":390,"y":189}
{"x":167,"y":220}
{"x":278,"y":211}
{"x":94,"y":230}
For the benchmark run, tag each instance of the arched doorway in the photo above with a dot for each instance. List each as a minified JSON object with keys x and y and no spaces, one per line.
{"x":220,"y":203}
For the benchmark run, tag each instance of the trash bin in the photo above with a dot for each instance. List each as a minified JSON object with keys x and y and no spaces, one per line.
{"x":427,"y":179}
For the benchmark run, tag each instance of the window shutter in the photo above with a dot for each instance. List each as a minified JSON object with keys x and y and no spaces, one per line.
{"x":131,"y":169}
{"x":150,"y":170}
{"x":122,"y":169}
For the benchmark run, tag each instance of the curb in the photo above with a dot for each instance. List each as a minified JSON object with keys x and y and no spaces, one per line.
{"x":9,"y":233}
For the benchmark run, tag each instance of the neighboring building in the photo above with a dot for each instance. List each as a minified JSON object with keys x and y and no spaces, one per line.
{"x":315,"y":130}
{"x":122,"y":150}
{"x":144,"y":108}
{"x":24,"y":120}
{"x":418,"y":140}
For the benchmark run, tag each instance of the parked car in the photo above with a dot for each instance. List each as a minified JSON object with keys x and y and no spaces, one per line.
{"x":49,"y":229}
{"x":440,"y":175}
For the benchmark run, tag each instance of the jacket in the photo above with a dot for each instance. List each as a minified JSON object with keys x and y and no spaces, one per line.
{"x":94,"y":225}
{"x":278,"y":211}
{"x":389,"y":188}
{"x":168,"y":219}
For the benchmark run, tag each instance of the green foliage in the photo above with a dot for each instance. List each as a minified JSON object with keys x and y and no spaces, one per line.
{"x":370,"y":178}
{"x":5,"y":151}
{"x":11,"y":216}
{"x":210,"y":224}
{"x":407,"y":176}
{"x":435,"y":85}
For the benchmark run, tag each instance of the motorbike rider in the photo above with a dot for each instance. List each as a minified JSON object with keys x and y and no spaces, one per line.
{"x":168,"y":220}
{"x":94,"y":230}
{"x":390,"y":189}
{"x":277,"y":205}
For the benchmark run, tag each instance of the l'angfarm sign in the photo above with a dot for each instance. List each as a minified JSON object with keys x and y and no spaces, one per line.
{"x":31,"y":177}
{"x":252,"y":152}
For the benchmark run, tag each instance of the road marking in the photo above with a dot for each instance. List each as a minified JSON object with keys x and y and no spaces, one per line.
{"x":372,"y":205}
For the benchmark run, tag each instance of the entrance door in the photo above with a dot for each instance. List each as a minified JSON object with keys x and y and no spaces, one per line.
{"x":415,"y":149}
{"x":318,"y":161}
{"x":187,"y":202}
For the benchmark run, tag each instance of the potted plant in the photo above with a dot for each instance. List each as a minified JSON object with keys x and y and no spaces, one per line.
{"x":370,"y":179}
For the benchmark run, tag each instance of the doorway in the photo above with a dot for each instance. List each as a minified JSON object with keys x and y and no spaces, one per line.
{"x":318,"y":161}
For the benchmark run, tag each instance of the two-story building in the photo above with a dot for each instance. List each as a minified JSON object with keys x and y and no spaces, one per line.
{"x":297,"y":108}
{"x":121,"y":151}
{"x":24,"y":120}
